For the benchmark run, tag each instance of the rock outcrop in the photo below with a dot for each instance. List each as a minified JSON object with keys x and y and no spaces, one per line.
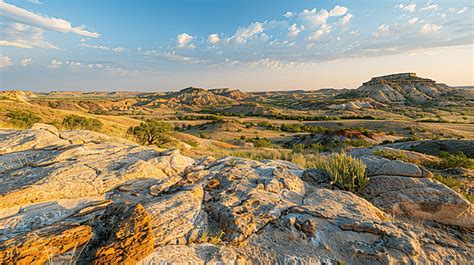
{"x":406,"y":87}
{"x":96,"y":200}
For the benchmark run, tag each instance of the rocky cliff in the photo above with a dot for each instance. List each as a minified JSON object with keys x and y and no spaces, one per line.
{"x":404,"y":87}
{"x":77,"y":196}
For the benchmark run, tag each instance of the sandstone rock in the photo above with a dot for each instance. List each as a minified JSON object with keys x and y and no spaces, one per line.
{"x":46,"y":127}
{"x":249,"y":195}
{"x":169,"y":208}
{"x":40,"y":246}
{"x":196,"y":254}
{"x":420,"y":197}
{"x":38,"y":138}
{"x":126,"y":235}
{"x":377,"y":166}
{"x":75,"y":171}
{"x":175,"y":215}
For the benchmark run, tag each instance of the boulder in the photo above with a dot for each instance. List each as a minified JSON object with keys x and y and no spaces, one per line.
{"x":419,"y":197}
{"x":69,"y":171}
{"x":377,"y":166}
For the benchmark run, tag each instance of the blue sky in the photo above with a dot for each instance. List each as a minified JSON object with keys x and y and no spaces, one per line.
{"x":253,"y":45}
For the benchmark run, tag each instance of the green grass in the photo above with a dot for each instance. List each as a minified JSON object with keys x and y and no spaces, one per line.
{"x":392,"y":155}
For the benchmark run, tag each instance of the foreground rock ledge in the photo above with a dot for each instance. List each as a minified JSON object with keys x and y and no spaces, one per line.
{"x":83,"y":197}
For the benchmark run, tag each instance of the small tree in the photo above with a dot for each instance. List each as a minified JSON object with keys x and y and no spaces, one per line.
{"x":152,"y":133}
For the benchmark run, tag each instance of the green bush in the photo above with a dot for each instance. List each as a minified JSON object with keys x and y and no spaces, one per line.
{"x":260,"y":142}
{"x":392,"y":155}
{"x":356,"y":143}
{"x":450,"y":161}
{"x":22,"y":119}
{"x":345,"y":172}
{"x":449,"y":181}
{"x":152,"y":133}
{"x":76,"y":122}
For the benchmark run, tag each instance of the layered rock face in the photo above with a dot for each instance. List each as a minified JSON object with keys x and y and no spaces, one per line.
{"x":87,"y":198}
{"x":399,"y":88}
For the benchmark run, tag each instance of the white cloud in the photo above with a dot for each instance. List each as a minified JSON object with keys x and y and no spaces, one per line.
{"x":383,"y":30}
{"x":346,"y":19}
{"x":410,"y":8}
{"x":325,"y":28}
{"x":55,"y":64}
{"x":429,"y":28}
{"x":413,"y":20}
{"x":430,"y":7}
{"x":289,"y":14}
{"x":294,"y":30}
{"x":25,"y":62}
{"x":462,"y":10}
{"x":5,"y":61}
{"x":57,"y":24}
{"x":38,"y":2}
{"x":15,"y":44}
{"x":244,"y":33}
{"x":24,"y":36}
{"x":316,"y":35}
{"x":213,"y":38}
{"x":338,"y":11}
{"x":104,"y":48}
{"x":171,"y":56}
{"x":313,"y":18}
{"x":74,"y":63}
{"x":184,"y":40}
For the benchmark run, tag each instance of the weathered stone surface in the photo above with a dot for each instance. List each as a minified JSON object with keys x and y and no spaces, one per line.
{"x":40,"y":246}
{"x":420,"y":197}
{"x":419,"y":158}
{"x":126,"y":202}
{"x":125,"y":236}
{"x":196,"y":254}
{"x":377,"y":166}
{"x":38,"y":138}
{"x":74,"y":171}
{"x":246,"y":195}
{"x":175,"y":215}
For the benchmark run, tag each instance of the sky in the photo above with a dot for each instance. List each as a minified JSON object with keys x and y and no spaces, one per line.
{"x":252,"y":45}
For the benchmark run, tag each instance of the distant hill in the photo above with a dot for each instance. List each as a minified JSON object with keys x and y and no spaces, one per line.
{"x":231,"y":93}
{"x":193,"y":97}
{"x":406,"y":87}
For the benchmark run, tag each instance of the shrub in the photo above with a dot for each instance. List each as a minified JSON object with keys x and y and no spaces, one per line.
{"x":152,"y":133}
{"x":392,"y":155}
{"x":21,"y":119}
{"x":450,"y":161}
{"x":356,"y":143}
{"x":298,"y":148}
{"x":261,"y":142}
{"x":74,"y":122}
{"x":215,"y":239}
{"x":203,"y":135}
{"x":191,"y":142}
{"x":345,"y":172}
{"x":449,"y":181}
